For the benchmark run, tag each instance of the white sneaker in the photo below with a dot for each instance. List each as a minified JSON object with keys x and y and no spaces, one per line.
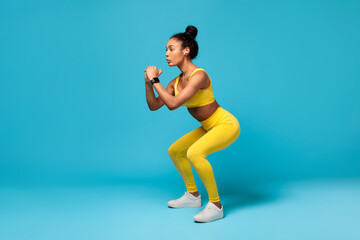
{"x":210,"y":213}
{"x":187,"y":200}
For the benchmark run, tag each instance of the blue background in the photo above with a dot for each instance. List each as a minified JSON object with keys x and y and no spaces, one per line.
{"x":73,"y":106}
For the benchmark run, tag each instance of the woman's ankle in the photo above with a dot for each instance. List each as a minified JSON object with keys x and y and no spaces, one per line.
{"x":195,"y":194}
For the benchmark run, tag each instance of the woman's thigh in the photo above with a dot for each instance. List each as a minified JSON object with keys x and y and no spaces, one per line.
{"x":183,"y":143}
{"x":218,"y":138}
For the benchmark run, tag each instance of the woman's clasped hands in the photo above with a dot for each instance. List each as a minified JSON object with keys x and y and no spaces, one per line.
{"x":152,"y":72}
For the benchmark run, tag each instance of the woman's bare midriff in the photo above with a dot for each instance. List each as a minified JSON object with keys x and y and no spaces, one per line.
{"x":204,"y":112}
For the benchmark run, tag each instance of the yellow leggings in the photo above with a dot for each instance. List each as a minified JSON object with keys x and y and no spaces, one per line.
{"x":215,"y":133}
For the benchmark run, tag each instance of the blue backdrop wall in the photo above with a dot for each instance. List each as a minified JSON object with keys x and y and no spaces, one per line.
{"x":72,"y":95}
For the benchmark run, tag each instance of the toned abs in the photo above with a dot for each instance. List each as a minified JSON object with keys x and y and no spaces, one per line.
{"x":204,"y":112}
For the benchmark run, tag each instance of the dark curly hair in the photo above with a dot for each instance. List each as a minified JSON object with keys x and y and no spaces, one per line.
{"x":188,"y":40}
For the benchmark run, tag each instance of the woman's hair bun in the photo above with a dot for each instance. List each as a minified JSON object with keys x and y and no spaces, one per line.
{"x":187,"y":39}
{"x":191,"y":31}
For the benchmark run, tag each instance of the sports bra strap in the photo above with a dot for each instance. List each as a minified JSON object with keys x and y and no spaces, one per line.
{"x":195,"y":71}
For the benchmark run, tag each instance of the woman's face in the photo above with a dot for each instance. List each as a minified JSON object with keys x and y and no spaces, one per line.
{"x":174,"y":54}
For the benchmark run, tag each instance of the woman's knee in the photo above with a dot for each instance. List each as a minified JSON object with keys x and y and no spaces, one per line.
{"x":194,"y":154}
{"x":173,"y":150}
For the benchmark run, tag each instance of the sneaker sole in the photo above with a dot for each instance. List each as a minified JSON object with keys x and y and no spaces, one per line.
{"x":198,"y":221}
{"x":183,"y":206}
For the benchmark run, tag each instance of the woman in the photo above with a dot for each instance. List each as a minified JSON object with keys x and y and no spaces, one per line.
{"x":219,"y":128}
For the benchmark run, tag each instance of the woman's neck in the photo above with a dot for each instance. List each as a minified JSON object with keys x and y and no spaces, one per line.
{"x":186,"y":68}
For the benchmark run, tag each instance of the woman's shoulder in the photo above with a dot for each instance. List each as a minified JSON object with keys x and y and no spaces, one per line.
{"x":200,"y":72}
{"x":204,"y":76}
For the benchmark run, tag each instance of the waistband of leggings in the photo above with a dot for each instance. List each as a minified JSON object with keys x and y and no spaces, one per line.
{"x":214,"y":117}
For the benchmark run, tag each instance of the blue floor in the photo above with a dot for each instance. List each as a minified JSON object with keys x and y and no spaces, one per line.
{"x":311,"y":209}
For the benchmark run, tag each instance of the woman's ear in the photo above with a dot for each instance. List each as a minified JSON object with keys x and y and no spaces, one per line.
{"x":187,"y":50}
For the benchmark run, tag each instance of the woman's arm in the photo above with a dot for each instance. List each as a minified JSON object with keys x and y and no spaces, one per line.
{"x":155,"y":103}
{"x":194,"y":84}
{"x":150,"y":97}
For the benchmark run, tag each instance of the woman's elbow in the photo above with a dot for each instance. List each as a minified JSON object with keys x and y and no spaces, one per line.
{"x":172,"y":107}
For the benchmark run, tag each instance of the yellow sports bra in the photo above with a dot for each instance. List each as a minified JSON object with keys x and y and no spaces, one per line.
{"x":201,"y":98}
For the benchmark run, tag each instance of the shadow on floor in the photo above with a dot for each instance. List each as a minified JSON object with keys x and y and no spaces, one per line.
{"x":236,"y":195}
